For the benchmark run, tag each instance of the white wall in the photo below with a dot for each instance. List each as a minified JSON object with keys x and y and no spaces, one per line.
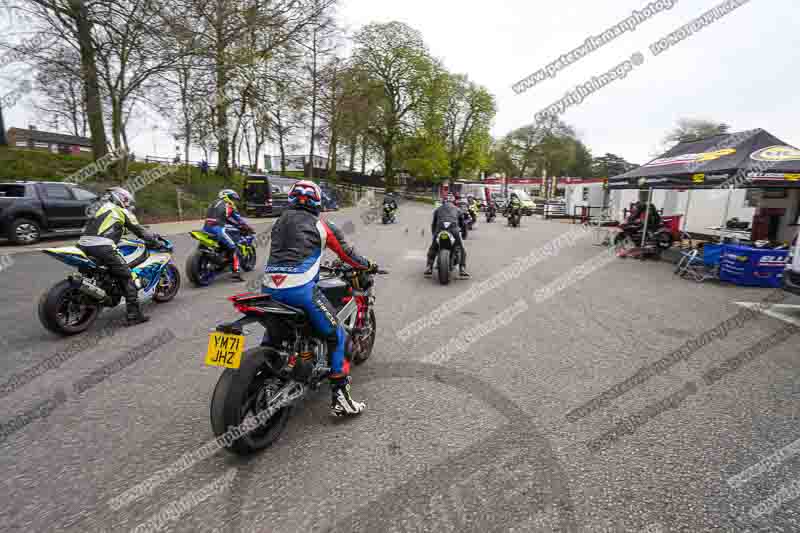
{"x":706,"y":209}
{"x":573,"y":196}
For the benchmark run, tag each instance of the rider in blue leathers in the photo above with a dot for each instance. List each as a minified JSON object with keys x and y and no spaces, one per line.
{"x":297,"y":242}
{"x":224,"y":222}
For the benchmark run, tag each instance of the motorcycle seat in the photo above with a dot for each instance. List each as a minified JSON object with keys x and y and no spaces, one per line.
{"x":265,"y":303}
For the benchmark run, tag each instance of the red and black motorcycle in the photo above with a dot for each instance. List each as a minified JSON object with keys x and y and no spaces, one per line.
{"x":254,"y":396}
{"x":659,"y":237}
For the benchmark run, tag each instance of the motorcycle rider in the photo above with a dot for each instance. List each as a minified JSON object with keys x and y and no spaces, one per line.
{"x":447,"y":212}
{"x":99,"y":241}
{"x":224,"y":222}
{"x":389,"y":199}
{"x":298,"y":239}
{"x":514,"y":203}
{"x":491,"y":205}
{"x":638,"y":212}
{"x":473,"y":207}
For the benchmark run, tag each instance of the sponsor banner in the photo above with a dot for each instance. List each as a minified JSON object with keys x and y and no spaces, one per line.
{"x":772,"y":176}
{"x":773,"y":260}
{"x":776,"y":154}
{"x":685,"y":159}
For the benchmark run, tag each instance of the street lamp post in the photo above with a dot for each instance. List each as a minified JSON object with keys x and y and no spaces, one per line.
{"x":155,"y":129}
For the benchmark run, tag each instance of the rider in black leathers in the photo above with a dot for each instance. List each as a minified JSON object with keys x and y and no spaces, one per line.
{"x":447,"y":212}
{"x":99,"y":241}
{"x":388,"y":199}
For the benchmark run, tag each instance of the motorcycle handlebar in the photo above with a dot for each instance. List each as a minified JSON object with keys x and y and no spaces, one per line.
{"x":347,"y":269}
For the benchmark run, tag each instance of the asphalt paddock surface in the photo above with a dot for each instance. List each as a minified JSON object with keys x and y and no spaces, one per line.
{"x":473,"y":439}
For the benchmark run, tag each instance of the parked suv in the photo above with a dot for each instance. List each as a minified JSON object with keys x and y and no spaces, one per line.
{"x":30,"y":210}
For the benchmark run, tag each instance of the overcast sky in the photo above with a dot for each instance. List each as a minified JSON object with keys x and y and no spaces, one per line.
{"x":740,"y":70}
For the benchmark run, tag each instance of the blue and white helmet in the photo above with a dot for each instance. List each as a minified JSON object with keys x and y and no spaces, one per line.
{"x":306,"y":194}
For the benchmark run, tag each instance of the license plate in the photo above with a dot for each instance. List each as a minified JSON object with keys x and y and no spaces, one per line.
{"x":225,"y":350}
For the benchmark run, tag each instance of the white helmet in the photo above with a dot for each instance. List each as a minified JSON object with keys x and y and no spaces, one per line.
{"x":121,"y":197}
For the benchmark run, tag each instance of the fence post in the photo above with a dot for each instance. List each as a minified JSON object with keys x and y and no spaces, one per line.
{"x":180,"y":210}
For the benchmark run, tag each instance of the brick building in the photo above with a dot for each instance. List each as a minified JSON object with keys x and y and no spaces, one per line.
{"x":57,"y":143}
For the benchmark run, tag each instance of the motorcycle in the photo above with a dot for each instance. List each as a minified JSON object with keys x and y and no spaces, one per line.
{"x":491,"y":212}
{"x":73,"y":304}
{"x":258,"y":388}
{"x":465,"y":224}
{"x":388,"y":214}
{"x":630,"y":236}
{"x":211,"y":259}
{"x":514,"y":216}
{"x":448,"y":254}
{"x":473,"y":212}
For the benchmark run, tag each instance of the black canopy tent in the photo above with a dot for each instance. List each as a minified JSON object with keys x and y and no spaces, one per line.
{"x":748,"y":159}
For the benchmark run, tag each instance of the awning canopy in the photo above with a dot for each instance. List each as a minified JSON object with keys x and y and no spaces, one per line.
{"x":748,"y":159}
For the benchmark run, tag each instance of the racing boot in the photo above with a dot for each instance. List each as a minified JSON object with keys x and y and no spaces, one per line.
{"x":428,"y":270}
{"x":342,"y":403}
{"x":133,"y":311}
{"x":237,"y":271}
{"x":462,"y":273}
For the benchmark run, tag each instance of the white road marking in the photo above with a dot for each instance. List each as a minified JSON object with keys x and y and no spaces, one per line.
{"x":416,"y":255}
{"x":772,"y":311}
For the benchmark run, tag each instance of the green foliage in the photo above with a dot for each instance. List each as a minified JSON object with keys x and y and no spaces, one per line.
{"x":689,"y":129}
{"x":18,"y":164}
{"x":582,"y":164}
{"x":425,"y":157}
{"x":610,"y":165}
{"x":468,"y":111}
{"x":155,"y":202}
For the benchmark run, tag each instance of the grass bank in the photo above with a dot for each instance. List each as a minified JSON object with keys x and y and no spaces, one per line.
{"x":157,"y":202}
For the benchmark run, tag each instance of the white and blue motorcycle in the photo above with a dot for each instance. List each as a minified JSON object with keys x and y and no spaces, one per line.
{"x":73,"y":304}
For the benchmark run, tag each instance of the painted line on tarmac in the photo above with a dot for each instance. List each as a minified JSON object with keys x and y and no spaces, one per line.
{"x":774,"y":313}
{"x":416,"y":255}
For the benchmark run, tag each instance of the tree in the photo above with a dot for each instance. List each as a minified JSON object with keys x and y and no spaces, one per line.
{"x":63,"y":99}
{"x":468,"y":117}
{"x":73,"y":23}
{"x":523,"y":143}
{"x":610,"y":165}
{"x":321,"y":35}
{"x":688,"y":130}
{"x":500,"y":160}
{"x":582,"y":164}
{"x":235,"y":38}
{"x":395,"y":57}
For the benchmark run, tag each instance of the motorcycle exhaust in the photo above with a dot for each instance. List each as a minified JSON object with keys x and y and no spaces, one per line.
{"x":89,"y":289}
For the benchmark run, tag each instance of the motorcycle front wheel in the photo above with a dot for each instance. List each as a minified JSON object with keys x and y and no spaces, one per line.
{"x":64,"y":310}
{"x":168,"y":285}
{"x":200,"y":269}
{"x":443,"y":266}
{"x":664,"y":241}
{"x":242,"y":393}
{"x":250,"y":260}
{"x":368,"y":342}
